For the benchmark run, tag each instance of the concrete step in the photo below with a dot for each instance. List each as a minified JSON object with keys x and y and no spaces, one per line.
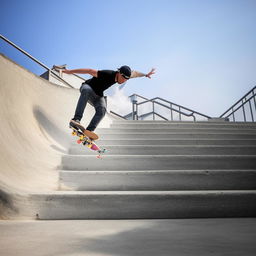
{"x":157,"y":162}
{"x":159,"y":180}
{"x":176,"y":142}
{"x":143,"y":204}
{"x":153,"y":130}
{"x":138,"y":122}
{"x":158,"y":149}
{"x":163,"y":136}
{"x":170,"y":125}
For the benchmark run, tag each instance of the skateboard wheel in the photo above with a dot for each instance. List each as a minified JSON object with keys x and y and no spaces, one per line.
{"x":74,"y":133}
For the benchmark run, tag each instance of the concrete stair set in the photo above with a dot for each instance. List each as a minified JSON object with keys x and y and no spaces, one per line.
{"x":158,"y":169}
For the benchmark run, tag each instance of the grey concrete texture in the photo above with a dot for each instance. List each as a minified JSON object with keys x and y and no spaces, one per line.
{"x":142,"y":204}
{"x":152,"y":130}
{"x":182,"y":125}
{"x":168,"y":135}
{"x":170,"y":150}
{"x":39,"y":132}
{"x":169,"y":180}
{"x":158,"y":162}
{"x":217,"y":142}
{"x":182,"y":237}
{"x":34,"y":133}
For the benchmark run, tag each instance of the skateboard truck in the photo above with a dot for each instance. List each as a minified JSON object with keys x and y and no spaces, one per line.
{"x":86,"y":141}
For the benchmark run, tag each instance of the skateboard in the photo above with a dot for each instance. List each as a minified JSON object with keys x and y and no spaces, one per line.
{"x":91,"y":135}
{"x":86,"y":141}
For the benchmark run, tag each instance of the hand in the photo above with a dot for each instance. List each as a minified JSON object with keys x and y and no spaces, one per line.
{"x":151,"y":73}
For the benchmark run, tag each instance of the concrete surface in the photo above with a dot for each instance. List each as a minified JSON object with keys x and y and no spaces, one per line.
{"x":183,"y":237}
{"x":34,"y":133}
{"x":35,"y":141}
{"x":156,"y":162}
{"x":183,"y":124}
{"x":171,"y":150}
{"x":62,"y":205}
{"x":159,"y":180}
{"x":166,"y":141}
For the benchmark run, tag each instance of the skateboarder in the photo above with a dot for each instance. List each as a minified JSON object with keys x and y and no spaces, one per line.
{"x":92,"y":91}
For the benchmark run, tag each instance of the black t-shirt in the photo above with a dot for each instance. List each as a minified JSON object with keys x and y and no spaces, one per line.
{"x":105,"y":79}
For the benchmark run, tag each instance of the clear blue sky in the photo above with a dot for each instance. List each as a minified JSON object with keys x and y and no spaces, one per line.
{"x":204,"y":50}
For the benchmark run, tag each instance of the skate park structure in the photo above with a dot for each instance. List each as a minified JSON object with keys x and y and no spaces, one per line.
{"x":201,"y":170}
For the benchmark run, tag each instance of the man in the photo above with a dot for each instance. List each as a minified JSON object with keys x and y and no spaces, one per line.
{"x":92,"y":91}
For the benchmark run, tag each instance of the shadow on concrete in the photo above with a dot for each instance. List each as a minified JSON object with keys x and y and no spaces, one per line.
{"x":180,"y":237}
{"x":6,"y":205}
{"x":48,"y":127}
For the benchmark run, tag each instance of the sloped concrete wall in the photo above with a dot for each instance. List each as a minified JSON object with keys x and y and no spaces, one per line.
{"x":34,"y":133}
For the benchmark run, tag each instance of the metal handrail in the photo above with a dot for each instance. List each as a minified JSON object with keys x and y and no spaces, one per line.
{"x":195,"y":112}
{"x":252,"y":90}
{"x":137,"y":95}
{"x":150,"y":113}
{"x":114,"y":113}
{"x":135,"y":108}
{"x":173,"y":109}
{"x":34,"y":59}
{"x":154,"y":113}
{"x":242,"y":103}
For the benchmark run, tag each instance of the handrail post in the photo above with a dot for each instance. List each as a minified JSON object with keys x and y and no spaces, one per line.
{"x":233,"y":114}
{"x":251,"y":110}
{"x":254,"y":99}
{"x":134,"y":109}
{"x":153,"y":106}
{"x":244,"y":110}
{"x":171,"y":112}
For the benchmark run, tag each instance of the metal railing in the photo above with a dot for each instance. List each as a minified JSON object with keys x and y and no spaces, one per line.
{"x":243,"y":110}
{"x":35,"y":60}
{"x":168,"y":105}
{"x":115,"y":114}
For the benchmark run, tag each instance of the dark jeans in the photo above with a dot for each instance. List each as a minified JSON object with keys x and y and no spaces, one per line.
{"x":99,"y":103}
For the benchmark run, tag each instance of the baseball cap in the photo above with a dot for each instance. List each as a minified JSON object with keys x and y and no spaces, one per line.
{"x":125,"y":71}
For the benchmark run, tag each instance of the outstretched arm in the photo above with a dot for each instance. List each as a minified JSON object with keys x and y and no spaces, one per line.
{"x":139,"y":74}
{"x":92,"y":72}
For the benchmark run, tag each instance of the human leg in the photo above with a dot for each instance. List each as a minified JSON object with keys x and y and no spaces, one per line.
{"x":86,"y":91}
{"x":100,"y":106}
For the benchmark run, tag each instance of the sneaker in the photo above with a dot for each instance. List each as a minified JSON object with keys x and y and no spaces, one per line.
{"x":74,"y":123}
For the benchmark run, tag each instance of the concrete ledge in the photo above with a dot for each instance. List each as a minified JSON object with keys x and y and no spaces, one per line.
{"x":188,"y":135}
{"x":158,"y":149}
{"x":138,"y":122}
{"x":218,"y":119}
{"x":179,"y":130}
{"x":168,"y":125}
{"x":160,"y":162}
{"x":146,"y":205}
{"x":159,"y":180}
{"x":154,"y":141}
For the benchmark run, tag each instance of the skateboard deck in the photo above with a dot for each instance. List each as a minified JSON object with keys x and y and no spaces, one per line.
{"x":86,"y":141}
{"x":90,"y":135}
